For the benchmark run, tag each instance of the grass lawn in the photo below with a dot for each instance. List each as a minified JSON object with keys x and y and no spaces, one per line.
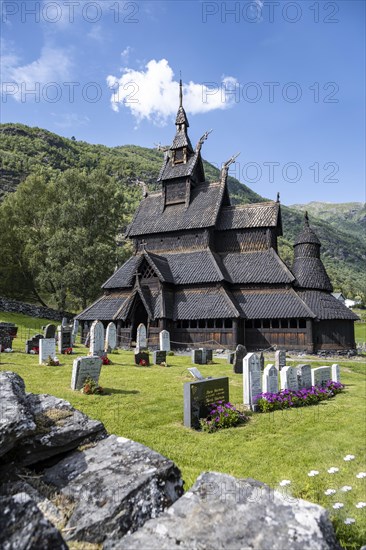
{"x":146,"y":404}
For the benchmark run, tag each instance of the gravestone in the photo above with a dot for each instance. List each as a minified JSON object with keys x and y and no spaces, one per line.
{"x":159,"y":357}
{"x":142,"y":356}
{"x":87,"y":340}
{"x":336,"y":373}
{"x":200,"y":395}
{"x":240,"y":353}
{"x":64,"y":338}
{"x":230,"y":357}
{"x":141,"y":338}
{"x":280,"y":359}
{"x":75,"y":330}
{"x":195,"y":373}
{"x":83,"y":368}
{"x":164,"y":340}
{"x":110,"y":337}
{"x":47,"y":348}
{"x":288,"y":377}
{"x":64,"y":322}
{"x":197,"y":358}
{"x":252,"y":384}
{"x":33,"y":343}
{"x":97,"y":339}
{"x":49,"y":331}
{"x":8,"y":332}
{"x":304,"y":377}
{"x":320,"y":376}
{"x":209,"y":355}
{"x":270,"y":379}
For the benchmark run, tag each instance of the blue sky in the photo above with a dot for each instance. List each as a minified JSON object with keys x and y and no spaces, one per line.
{"x":281,"y":82}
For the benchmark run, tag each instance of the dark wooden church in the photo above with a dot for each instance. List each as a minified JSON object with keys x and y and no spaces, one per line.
{"x":209,"y":272}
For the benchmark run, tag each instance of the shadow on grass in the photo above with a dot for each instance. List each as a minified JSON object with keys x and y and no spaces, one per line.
{"x":109,"y":391}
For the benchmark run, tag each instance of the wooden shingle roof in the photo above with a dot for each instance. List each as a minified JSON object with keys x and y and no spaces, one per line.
{"x":326,"y":306}
{"x":310,"y":273}
{"x":152,"y":217}
{"x":204,"y":303}
{"x":271,"y":304}
{"x":105,"y":308}
{"x":263,"y":214}
{"x":256,"y":267}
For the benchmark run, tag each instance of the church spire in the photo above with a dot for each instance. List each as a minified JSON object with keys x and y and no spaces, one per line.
{"x":180,"y":93}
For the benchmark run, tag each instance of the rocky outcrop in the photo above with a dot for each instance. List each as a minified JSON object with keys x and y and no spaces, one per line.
{"x":223,"y":512}
{"x":119,"y":493}
{"x":16,"y":420}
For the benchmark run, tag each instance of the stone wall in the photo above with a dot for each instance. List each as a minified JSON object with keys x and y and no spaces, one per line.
{"x":64,"y":479}
{"x":13,"y":306}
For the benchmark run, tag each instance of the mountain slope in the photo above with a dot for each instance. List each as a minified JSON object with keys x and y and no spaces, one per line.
{"x":26,"y":150}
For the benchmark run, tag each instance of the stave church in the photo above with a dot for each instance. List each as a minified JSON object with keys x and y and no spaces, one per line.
{"x":209,"y":272}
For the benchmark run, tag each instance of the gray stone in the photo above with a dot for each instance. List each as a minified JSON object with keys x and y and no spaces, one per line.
{"x":336,"y":373}
{"x":49,"y":331}
{"x":240,"y":353}
{"x":252,"y":382}
{"x":280,"y":359}
{"x":59,"y":428}
{"x":288,"y":379}
{"x":110,"y":337}
{"x":47,"y":348}
{"x":97,"y":339}
{"x":83,"y":368}
{"x":16,"y":420}
{"x":223,"y":512}
{"x":320,"y":376}
{"x":304,"y":376}
{"x":164,"y":340}
{"x":141,"y":338}
{"x":115,"y":487}
{"x":23,"y":526}
{"x":270,"y":379}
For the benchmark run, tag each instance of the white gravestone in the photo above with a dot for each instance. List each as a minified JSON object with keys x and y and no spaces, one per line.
{"x":270,"y":379}
{"x":164,"y":340}
{"x":75,"y":330}
{"x":280,"y":359}
{"x":304,"y":377}
{"x":289,"y":378}
{"x":251,"y":379}
{"x":111,"y":337}
{"x":141,"y":338}
{"x":336,"y":372}
{"x":97,"y":339}
{"x":47,"y":348}
{"x":83,"y":368}
{"x":320,"y":376}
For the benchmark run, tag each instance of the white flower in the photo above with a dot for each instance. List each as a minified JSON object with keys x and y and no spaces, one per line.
{"x":338,"y":505}
{"x":333,"y":470}
{"x":346,"y":488}
{"x":313,"y":473}
{"x":361,"y":505}
{"x":361,"y":475}
{"x":285,"y":482}
{"x":32,"y":352}
{"x":8,"y":350}
{"x":348,"y":521}
{"x":347,"y":458}
{"x":330,"y":492}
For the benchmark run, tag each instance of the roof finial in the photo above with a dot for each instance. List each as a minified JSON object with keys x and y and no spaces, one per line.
{"x":180,"y":92}
{"x":278,"y":196}
{"x":306,"y":218}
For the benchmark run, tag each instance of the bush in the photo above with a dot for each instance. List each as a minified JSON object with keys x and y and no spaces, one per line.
{"x":222,"y":415}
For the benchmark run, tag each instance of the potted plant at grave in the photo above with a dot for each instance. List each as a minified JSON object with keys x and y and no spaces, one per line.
{"x":222,"y":415}
{"x":106,"y":360}
{"x":67,"y":351}
{"x":90,"y":387}
{"x":52,"y":362}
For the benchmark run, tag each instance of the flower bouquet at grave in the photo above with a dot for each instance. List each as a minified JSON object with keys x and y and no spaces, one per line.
{"x":90,"y":387}
{"x":34,"y":350}
{"x":222,"y":415}
{"x":52,"y":362}
{"x":106,"y":360}
{"x":143,"y":363}
{"x":67,"y":351}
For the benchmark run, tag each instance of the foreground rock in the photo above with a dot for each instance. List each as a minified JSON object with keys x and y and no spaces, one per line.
{"x":16,"y":420}
{"x":114,"y":487}
{"x":223,"y":512}
{"x":23,"y":527}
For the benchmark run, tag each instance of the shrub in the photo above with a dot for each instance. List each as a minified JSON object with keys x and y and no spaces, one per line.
{"x":91,"y":387}
{"x":222,"y":415}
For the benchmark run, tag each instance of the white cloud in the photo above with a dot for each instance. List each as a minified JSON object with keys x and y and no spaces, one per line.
{"x":53,"y":66}
{"x":125,"y":54}
{"x":96,"y":33}
{"x":153,"y":94}
{"x":70,"y":120}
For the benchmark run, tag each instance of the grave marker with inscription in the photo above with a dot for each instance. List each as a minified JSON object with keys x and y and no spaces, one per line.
{"x":97,"y":339}
{"x":47,"y":348}
{"x":164,"y":340}
{"x":252,"y":383}
{"x":288,"y":377}
{"x":50,"y":331}
{"x":159,"y":357}
{"x":240,"y":353}
{"x":200,"y":395}
{"x":110,"y":337}
{"x":336,"y":373}
{"x":320,"y":376}
{"x":142,"y":359}
{"x":304,"y":377}
{"x":33,"y":343}
{"x":280,"y":359}
{"x":141,"y":338}
{"x":197,"y":358}
{"x":64,"y":338}
{"x":75,"y":330}
{"x":83,"y":368}
{"x":270,"y":379}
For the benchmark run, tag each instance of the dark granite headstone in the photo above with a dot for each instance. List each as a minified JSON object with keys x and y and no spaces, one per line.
{"x":209,"y":355}
{"x":8,"y":332}
{"x":230,"y":357}
{"x":64,"y":338}
{"x":261,"y":360}
{"x":159,"y":356}
{"x":50,"y":331}
{"x":33,"y":343}
{"x":199,"y":395}
{"x":87,"y":339}
{"x":240,"y":353}
{"x":197,"y":357}
{"x":142,"y":356}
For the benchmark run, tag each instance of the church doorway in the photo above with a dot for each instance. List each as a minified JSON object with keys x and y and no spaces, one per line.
{"x":139,"y":315}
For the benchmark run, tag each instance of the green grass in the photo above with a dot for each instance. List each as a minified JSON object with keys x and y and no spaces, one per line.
{"x":146,"y":404}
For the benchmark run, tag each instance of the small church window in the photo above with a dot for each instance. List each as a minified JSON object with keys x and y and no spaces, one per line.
{"x":248,"y":323}
{"x":257,"y":323}
{"x":185,"y":324}
{"x":266,"y":323}
{"x":210,"y":323}
{"x":228,"y":323}
{"x":275,"y":323}
{"x":218,"y":323}
{"x":202,"y":323}
{"x":293,"y":323}
{"x":178,"y":157}
{"x":284,"y":323}
{"x":193,"y":323}
{"x":302,"y":323}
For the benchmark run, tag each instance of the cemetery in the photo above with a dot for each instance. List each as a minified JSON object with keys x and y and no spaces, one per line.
{"x":165,"y":409}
